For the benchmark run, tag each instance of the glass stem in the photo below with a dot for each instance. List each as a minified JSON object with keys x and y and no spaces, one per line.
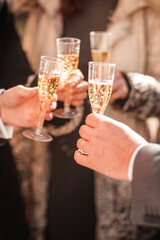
{"x":66,"y":102}
{"x":40,"y":123}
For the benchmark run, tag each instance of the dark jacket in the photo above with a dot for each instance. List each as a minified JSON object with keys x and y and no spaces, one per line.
{"x":145,"y":186}
{"x":14,"y":70}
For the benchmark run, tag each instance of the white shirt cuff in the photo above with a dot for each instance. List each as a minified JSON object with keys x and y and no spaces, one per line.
{"x":131,"y":163}
{"x":6,"y":131}
{"x":2,"y":90}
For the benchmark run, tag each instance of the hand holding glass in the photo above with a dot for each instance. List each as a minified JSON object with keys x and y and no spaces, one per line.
{"x":100,"y":43}
{"x":100,"y":82}
{"x":68,"y":51}
{"x":50,"y":71}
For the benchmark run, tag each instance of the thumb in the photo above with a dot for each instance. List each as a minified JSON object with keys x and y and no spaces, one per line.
{"x":26,"y":91}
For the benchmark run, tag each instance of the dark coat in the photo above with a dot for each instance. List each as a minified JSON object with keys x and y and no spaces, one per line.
{"x":14,"y":70}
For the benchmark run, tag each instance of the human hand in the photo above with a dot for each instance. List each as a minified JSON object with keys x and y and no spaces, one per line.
{"x":120,"y":88}
{"x":78,"y":90}
{"x":78,"y":93}
{"x":20,"y":106}
{"x":109,"y":144}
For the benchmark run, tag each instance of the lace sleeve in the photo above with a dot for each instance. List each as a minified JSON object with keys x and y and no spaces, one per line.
{"x":144,"y":96}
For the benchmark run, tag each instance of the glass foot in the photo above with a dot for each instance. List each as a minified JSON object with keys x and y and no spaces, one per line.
{"x":43,"y":137}
{"x":60,"y":113}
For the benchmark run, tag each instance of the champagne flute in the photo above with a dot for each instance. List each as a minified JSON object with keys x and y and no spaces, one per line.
{"x":48,"y":79}
{"x":68,"y":50}
{"x":100,"y":82}
{"x":100,"y":43}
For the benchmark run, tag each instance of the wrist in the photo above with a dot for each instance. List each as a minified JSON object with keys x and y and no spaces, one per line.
{"x":132,"y":160}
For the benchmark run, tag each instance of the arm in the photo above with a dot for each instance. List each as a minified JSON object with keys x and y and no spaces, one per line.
{"x":139,"y":94}
{"x":144,"y":96}
{"x":14,"y":67}
{"x":145,"y":207}
{"x":110,"y":146}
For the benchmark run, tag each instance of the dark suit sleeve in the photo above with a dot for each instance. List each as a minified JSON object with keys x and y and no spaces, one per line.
{"x":145,"y":208}
{"x":14,"y":66}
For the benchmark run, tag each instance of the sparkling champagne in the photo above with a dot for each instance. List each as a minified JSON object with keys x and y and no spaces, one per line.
{"x":47,"y":86}
{"x":99,"y":94}
{"x":100,"y":56}
{"x":70,"y":65}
